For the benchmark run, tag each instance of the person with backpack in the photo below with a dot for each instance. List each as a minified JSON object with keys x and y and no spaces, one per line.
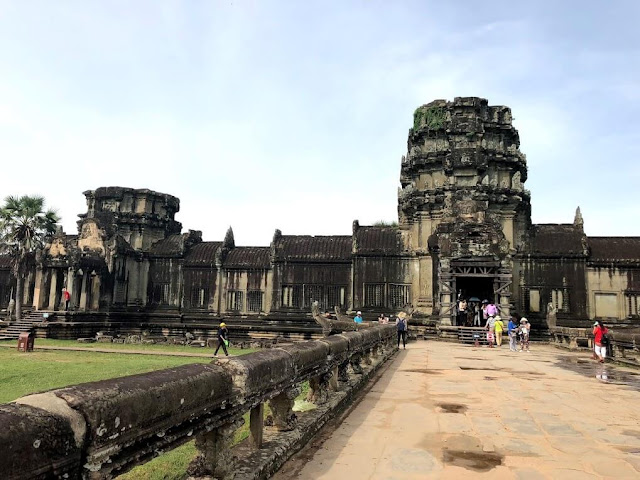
{"x":401,"y":326}
{"x":223,"y":339}
{"x":600,"y":340}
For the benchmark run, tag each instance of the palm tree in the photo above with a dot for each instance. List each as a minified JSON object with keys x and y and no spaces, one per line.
{"x":23,"y":227}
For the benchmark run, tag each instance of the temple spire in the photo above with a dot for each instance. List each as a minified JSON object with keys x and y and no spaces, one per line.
{"x":578,"y":221}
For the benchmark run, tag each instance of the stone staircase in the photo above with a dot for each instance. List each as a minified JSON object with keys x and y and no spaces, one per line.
{"x":24,"y":325}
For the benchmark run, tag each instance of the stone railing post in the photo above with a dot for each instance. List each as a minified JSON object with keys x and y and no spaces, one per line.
{"x":366,"y":357}
{"x":355,"y":363}
{"x":282,"y":409}
{"x":319,"y":388}
{"x":256,"y":426}
{"x":618,"y":350}
{"x":335,"y":377}
{"x":214,"y":457}
{"x":343,"y":371}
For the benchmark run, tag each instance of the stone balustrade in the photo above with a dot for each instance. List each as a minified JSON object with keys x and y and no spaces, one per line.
{"x":102,"y":429}
{"x":625,"y":343}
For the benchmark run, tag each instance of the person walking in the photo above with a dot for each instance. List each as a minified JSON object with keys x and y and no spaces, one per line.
{"x":401,"y":326}
{"x":223,"y":339}
{"x":525,"y":331}
{"x":499,"y":328}
{"x":512,"y":331}
{"x":600,"y":340}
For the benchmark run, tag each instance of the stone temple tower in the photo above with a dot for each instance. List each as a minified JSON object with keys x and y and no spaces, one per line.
{"x":462,"y":208}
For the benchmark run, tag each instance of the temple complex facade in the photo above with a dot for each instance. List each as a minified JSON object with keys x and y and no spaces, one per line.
{"x":464,"y":230}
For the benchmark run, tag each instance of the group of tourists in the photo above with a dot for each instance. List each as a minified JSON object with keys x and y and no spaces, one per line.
{"x":473,"y":312}
{"x":469,"y":312}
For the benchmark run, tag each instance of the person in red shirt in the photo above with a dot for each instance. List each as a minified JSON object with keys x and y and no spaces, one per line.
{"x":67,"y":298}
{"x":599,"y":330}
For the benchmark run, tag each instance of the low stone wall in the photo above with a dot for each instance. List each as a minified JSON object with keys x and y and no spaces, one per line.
{"x":102,"y":429}
{"x":624,"y":345}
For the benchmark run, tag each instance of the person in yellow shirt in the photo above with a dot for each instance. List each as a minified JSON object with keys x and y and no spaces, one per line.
{"x":499,"y":328}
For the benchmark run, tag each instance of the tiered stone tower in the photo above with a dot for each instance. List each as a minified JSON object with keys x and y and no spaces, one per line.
{"x":462,"y":207}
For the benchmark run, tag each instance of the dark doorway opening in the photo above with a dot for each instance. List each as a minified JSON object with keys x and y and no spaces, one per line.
{"x":474,"y":290}
{"x":479,"y":287}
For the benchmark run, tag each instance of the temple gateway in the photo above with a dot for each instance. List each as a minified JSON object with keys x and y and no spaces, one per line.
{"x":464,"y":230}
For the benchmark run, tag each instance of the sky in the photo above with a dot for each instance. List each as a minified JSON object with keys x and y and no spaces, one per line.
{"x":294,"y":115}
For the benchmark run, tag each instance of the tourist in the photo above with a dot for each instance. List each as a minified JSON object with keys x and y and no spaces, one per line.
{"x":492,"y":310}
{"x":401,"y":326}
{"x":223,"y":339}
{"x":499,"y":328}
{"x":484,"y":310}
{"x":525,"y":331}
{"x":491,"y":328}
{"x":476,"y":316}
{"x":382,"y":319}
{"x":67,"y":298}
{"x":462,"y":311}
{"x":600,"y":340}
{"x":512,"y":331}
{"x":358,"y":317}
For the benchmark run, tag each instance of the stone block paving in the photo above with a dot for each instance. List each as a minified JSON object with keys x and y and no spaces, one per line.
{"x":444,"y":410}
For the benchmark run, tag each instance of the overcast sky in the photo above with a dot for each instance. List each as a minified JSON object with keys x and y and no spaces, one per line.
{"x":294,"y":114}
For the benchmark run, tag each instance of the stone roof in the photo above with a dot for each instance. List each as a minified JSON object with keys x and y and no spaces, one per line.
{"x":172,"y":245}
{"x":314,"y":248}
{"x":248,"y":257}
{"x":556,"y":239}
{"x":379,"y":240}
{"x":202,"y":254}
{"x":615,"y":249}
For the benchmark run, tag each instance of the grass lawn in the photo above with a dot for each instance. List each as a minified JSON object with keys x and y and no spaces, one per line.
{"x":25,"y":373}
{"x":157,"y":347}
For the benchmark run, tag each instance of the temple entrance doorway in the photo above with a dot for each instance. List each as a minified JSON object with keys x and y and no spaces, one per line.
{"x":474,"y":290}
{"x":478,"y":287}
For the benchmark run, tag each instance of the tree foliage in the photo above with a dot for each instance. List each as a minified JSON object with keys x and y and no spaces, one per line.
{"x":384,"y":223}
{"x":24,"y":225}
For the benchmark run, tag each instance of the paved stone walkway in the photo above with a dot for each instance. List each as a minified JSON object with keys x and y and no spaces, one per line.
{"x":444,"y":410}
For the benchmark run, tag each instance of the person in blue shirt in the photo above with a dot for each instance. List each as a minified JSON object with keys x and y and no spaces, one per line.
{"x":358,"y":317}
{"x":512,"y":328}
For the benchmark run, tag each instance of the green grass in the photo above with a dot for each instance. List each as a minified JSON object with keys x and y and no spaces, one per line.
{"x":25,"y":373}
{"x":157,"y":347}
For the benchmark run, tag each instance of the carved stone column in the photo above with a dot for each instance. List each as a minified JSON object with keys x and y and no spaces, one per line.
{"x":319,"y":388}
{"x":214,"y":457}
{"x":53,"y":290}
{"x":281,"y":407}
